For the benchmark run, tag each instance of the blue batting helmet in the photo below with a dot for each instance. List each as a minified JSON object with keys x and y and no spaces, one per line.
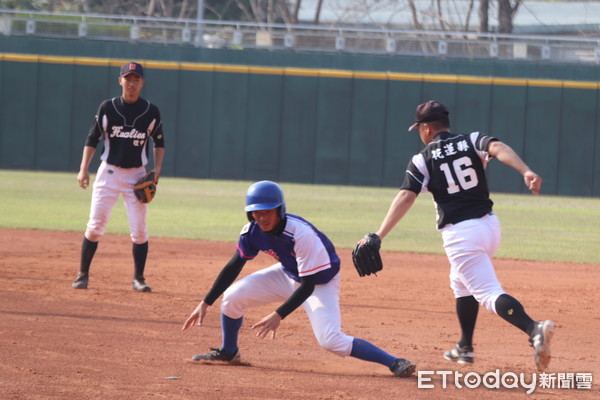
{"x":264,"y":195}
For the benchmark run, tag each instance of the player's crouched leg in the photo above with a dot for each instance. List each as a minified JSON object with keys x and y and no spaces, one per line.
{"x":367,"y":351}
{"x":335,"y":342}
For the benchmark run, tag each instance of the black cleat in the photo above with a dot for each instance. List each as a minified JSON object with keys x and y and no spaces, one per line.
{"x":403,"y":368}
{"x":218,"y":355}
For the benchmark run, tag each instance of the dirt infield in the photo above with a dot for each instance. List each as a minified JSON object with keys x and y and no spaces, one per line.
{"x":109,"y":342}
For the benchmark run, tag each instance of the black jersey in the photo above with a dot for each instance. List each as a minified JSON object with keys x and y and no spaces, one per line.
{"x":452,"y":168}
{"x":125,"y":129}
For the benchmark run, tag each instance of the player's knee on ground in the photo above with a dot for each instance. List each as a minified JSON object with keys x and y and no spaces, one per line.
{"x":335,"y":342}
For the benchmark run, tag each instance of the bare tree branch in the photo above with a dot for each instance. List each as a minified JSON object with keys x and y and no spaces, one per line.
{"x":468,"y":17}
{"x":484,"y":6}
{"x":297,"y":10}
{"x":424,"y":14}
{"x":184,"y":9}
{"x":506,"y":13}
{"x":247,"y":13}
{"x":284,"y":11}
{"x":318,"y":12}
{"x":415,"y":15}
{"x":440,"y":17}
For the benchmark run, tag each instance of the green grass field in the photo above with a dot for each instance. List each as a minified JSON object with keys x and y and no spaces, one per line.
{"x":534,"y":227}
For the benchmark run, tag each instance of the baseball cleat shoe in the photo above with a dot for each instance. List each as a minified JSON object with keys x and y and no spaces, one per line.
{"x":219,"y":354}
{"x":139,"y":285}
{"x":461,"y":355}
{"x":540,"y":341}
{"x":403,"y":368}
{"x":81,"y":282}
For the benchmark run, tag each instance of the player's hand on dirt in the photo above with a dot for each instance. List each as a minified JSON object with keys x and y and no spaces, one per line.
{"x":270,"y":323}
{"x":533,"y":181}
{"x":83,"y":178}
{"x":197,"y":316}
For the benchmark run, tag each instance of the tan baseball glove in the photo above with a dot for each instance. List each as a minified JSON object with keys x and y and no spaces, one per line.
{"x":145,"y":188}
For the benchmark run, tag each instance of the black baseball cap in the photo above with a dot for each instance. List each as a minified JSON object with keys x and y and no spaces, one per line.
{"x":428,"y":112}
{"x":132,"y":67}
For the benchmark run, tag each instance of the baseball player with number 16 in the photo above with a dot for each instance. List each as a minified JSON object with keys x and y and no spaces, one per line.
{"x":307,"y":274}
{"x":452,"y":169}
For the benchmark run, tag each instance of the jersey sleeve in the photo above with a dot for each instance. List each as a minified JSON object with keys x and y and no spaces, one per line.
{"x":480,"y":143}
{"x":416,"y":176}
{"x":155,"y":130}
{"x":244,"y":247}
{"x":96,"y":129}
{"x":311,"y":255}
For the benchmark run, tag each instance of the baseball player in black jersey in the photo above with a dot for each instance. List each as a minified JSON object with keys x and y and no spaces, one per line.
{"x":125,"y":123}
{"x":452,"y":169}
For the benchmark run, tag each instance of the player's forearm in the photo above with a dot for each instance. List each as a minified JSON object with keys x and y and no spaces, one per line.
{"x":399,"y":207}
{"x":299,"y":296}
{"x":159,"y":153}
{"x":228,"y":274}
{"x":86,"y":158}
{"x":508,"y":156}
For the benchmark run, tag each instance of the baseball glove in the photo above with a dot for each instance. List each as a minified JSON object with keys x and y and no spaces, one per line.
{"x":366,"y":257}
{"x":145,"y":188}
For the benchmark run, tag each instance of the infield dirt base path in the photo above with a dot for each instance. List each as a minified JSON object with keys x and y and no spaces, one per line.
{"x":108,"y":342}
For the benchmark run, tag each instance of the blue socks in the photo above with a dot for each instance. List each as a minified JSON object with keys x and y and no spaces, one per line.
{"x":231,"y":328}
{"x":366,"y":351}
{"x":361,"y":349}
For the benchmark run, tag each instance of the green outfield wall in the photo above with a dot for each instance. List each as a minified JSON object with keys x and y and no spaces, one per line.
{"x":307,"y":118}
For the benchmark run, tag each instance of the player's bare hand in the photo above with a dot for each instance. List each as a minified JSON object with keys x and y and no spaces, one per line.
{"x":197,"y":316}
{"x":83,"y":178}
{"x":533,"y":181}
{"x":270,"y":323}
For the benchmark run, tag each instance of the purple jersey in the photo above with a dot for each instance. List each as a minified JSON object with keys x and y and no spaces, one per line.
{"x":301,"y":249}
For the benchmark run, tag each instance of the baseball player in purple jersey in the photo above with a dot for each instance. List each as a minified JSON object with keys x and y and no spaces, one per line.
{"x":452,"y":169}
{"x":307,"y":274}
{"x":126,"y":123}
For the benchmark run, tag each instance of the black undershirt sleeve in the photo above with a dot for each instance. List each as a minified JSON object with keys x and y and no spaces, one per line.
{"x":307,"y":286}
{"x":226,"y":277}
{"x":95,"y":132}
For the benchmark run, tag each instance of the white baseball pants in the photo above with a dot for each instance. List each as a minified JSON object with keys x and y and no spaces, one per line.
{"x":271,"y":285}
{"x":109,"y":183}
{"x":470,"y":246}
